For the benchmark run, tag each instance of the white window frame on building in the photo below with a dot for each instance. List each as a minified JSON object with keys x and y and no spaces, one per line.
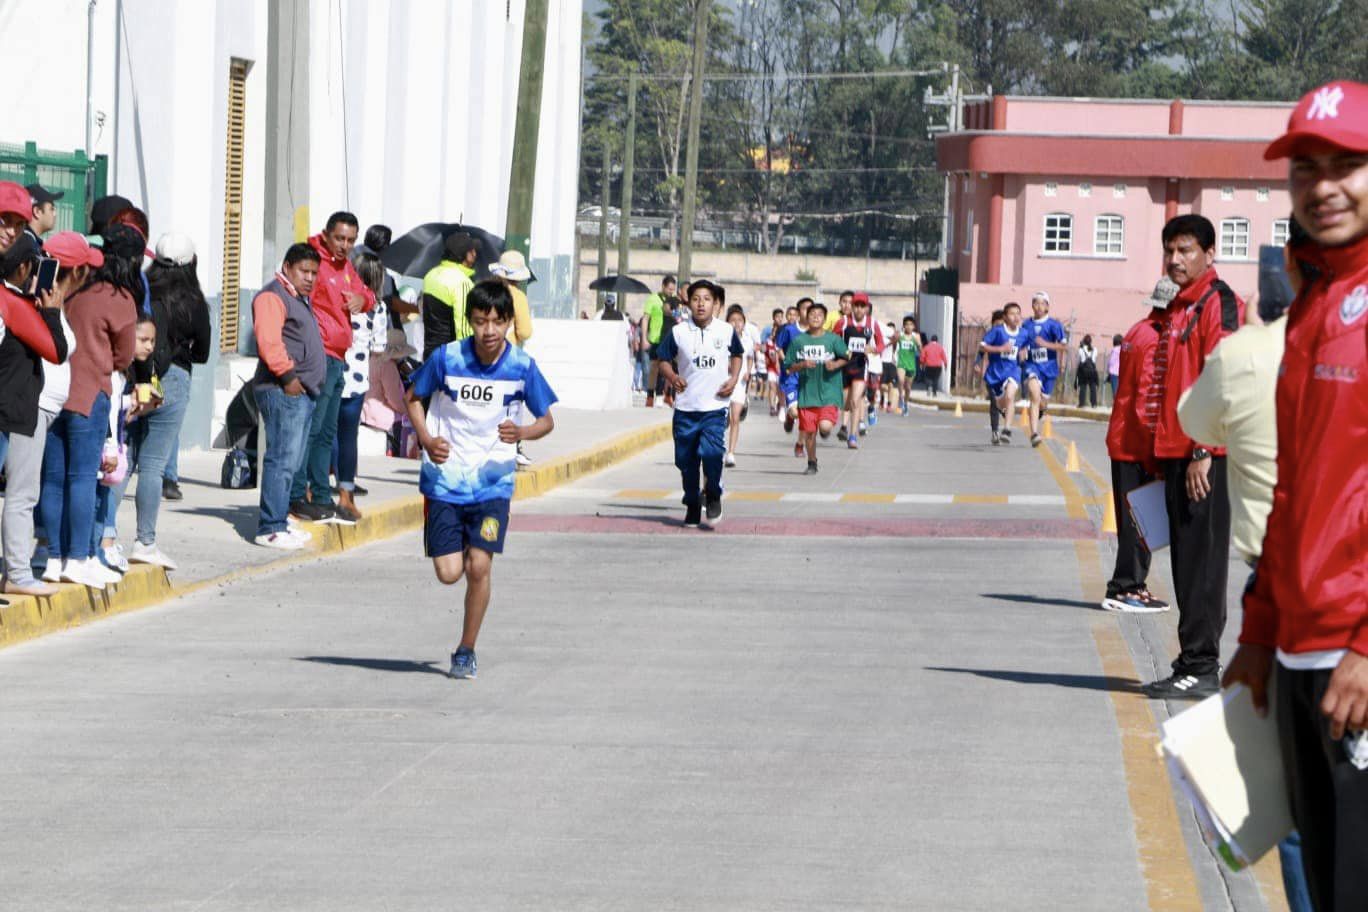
{"x":1282,"y":230}
{"x":1109,"y":235}
{"x":1234,"y":238}
{"x":1062,"y":229}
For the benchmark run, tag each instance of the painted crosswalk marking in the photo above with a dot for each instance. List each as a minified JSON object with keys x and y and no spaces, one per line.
{"x":875,"y":498}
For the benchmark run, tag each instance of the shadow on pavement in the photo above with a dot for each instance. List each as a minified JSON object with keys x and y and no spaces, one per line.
{"x":1041,"y":600}
{"x":243,"y":519}
{"x":1078,"y":681}
{"x":400,"y":665}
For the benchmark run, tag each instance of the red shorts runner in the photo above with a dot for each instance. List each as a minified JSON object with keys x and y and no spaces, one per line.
{"x":809,"y":418}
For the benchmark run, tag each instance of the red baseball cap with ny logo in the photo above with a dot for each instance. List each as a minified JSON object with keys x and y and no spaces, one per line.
{"x":1336,"y":113}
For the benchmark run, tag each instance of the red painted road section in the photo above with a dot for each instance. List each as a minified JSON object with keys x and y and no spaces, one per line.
{"x":1057,"y":529}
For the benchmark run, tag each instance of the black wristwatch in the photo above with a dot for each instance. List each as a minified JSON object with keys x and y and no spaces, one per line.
{"x":1200,"y":453}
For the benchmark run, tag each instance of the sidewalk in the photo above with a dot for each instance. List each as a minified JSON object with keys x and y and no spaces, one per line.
{"x":209,"y":533}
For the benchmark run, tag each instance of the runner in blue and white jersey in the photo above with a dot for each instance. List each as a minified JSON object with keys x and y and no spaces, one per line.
{"x":1003,"y":344}
{"x":479,"y":388}
{"x":1045,"y":339}
{"x":700,"y":358}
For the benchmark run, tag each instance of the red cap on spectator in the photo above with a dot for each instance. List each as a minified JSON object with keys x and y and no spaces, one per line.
{"x":859,"y":297}
{"x":1336,"y":113}
{"x":71,"y":250}
{"x":14,"y":198}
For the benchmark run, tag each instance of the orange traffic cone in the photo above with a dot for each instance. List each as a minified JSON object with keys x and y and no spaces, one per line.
{"x":1108,"y":513}
{"x":959,"y":409}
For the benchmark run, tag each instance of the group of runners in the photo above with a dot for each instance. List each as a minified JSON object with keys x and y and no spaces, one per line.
{"x":1017,"y":354}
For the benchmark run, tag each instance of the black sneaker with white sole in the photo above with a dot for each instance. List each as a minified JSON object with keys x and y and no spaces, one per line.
{"x":811,"y":467}
{"x":713,"y":511}
{"x":1183,"y":686}
{"x":312,"y":512}
{"x":693,"y":515}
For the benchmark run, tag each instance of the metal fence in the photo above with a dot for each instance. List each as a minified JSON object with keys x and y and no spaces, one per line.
{"x":80,"y":179}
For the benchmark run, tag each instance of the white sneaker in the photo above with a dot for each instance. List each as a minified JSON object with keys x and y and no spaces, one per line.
{"x":281,"y":541}
{"x":114,"y":558}
{"x":523,"y":460}
{"x":151,"y":554}
{"x":300,"y":535}
{"x":53,"y":572}
{"x":729,"y":460}
{"x":87,"y":572}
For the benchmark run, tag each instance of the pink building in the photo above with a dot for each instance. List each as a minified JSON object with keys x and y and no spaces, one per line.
{"x":1070,"y":195}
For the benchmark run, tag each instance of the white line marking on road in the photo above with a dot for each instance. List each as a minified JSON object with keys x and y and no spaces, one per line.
{"x":924,"y":499}
{"x":811,"y":497}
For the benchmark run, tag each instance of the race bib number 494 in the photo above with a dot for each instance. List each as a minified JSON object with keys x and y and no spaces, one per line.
{"x":817,"y":353}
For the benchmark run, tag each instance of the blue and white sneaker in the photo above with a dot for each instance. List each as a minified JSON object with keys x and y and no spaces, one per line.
{"x":873,"y":418}
{"x":462,"y":664}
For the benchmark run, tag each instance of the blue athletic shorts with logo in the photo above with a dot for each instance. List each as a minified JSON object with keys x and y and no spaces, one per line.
{"x":789,"y":384}
{"x":450,"y":528}
{"x":1047,"y":383}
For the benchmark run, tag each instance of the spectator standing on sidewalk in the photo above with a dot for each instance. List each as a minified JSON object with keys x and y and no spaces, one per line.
{"x":933,"y":361}
{"x":1143,"y":364}
{"x":291,"y":370}
{"x":370,"y":333}
{"x":652,"y":323}
{"x":1232,"y":405}
{"x":1305,"y":615}
{"x":1087,"y":374}
{"x":44,"y":211}
{"x":1114,"y":365}
{"x":1204,"y":312}
{"x":184,"y":338}
{"x":445,"y":288}
{"x":102,"y":316}
{"x":338,"y":295}
{"x":33,"y":333}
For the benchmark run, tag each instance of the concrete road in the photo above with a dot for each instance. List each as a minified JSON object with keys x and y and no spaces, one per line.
{"x":862,"y":697}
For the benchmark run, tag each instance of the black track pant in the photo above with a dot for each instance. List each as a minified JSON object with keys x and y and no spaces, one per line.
{"x":1328,"y":794}
{"x":1132,"y":557}
{"x":1199,"y":548}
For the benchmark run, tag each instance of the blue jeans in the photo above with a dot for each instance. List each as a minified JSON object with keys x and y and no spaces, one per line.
{"x":312,"y":476}
{"x":1293,"y":874}
{"x":172,"y":473}
{"x":287,"y":420}
{"x":344,"y":457}
{"x":641,"y":374}
{"x":71,"y":464}
{"x":151,"y":444}
{"x":700,"y":437}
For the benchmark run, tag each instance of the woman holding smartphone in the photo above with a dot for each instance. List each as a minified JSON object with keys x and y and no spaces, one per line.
{"x":183,"y":339}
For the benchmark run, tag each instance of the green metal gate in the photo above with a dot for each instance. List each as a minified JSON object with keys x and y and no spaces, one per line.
{"x":79,"y":178}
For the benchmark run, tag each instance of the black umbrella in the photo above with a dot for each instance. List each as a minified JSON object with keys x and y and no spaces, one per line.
{"x":620,"y":283}
{"x":423,"y":248}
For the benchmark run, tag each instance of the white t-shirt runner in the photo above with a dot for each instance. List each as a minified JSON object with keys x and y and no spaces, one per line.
{"x":702,"y":356}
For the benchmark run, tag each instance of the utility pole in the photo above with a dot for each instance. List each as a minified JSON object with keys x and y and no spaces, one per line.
{"x":628,"y":160}
{"x":603,"y":210}
{"x":522,"y":178}
{"x":700,"y":59}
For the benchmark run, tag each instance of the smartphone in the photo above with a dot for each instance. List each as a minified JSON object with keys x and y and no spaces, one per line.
{"x":1275,"y":290}
{"x":45,"y":276}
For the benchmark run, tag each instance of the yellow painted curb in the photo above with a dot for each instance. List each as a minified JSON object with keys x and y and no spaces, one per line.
{"x":26,"y":618}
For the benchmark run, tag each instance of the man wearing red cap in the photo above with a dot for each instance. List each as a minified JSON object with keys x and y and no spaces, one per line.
{"x":16,"y":208}
{"x":1306,"y":614}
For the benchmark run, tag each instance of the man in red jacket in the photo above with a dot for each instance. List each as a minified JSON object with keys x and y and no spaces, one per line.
{"x":1308,"y":605}
{"x":1130,"y":446}
{"x":1203,"y":313}
{"x":337,"y":294}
